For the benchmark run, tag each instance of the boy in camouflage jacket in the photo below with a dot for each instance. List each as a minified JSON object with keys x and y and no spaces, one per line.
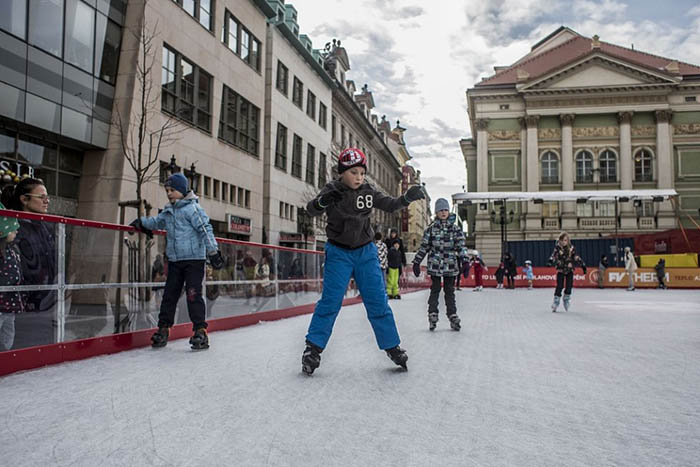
{"x":443,"y":242}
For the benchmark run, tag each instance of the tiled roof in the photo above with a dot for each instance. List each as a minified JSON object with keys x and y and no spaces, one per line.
{"x":576,"y":48}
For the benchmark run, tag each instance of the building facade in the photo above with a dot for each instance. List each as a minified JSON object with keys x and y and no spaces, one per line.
{"x":577,"y":113}
{"x":418,"y":215}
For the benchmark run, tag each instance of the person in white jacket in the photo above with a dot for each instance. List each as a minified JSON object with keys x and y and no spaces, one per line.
{"x":630,"y":266}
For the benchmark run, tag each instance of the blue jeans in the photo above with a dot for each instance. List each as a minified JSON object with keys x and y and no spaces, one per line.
{"x":340,"y":265}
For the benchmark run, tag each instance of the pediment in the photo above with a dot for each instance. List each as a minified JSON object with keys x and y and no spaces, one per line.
{"x":599,"y":72}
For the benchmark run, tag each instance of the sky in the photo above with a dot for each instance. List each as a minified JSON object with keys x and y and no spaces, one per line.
{"x":419,"y":58}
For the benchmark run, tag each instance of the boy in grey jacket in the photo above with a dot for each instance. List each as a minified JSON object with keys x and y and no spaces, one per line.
{"x":443,"y":242}
{"x":190,"y":240}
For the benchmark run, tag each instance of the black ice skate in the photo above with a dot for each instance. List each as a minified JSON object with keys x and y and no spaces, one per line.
{"x":398,"y":356}
{"x":432,"y":321}
{"x":311,"y":358}
{"x":160,"y":338}
{"x":200,"y":339}
{"x":455,"y":322}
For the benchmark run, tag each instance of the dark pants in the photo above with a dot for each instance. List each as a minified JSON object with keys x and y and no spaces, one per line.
{"x":449,"y":287}
{"x":190,"y":274}
{"x":561,"y":279}
{"x":511,"y":280}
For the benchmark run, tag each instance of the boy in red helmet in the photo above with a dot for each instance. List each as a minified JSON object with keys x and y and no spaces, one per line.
{"x":351,"y":252}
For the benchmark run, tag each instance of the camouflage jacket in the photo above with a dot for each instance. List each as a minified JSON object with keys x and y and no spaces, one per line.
{"x":443,"y":242}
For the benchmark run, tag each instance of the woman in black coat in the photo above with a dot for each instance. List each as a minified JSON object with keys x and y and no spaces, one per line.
{"x":511,"y":269}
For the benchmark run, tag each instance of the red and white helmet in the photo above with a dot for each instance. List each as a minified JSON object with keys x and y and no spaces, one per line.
{"x":351,"y":157}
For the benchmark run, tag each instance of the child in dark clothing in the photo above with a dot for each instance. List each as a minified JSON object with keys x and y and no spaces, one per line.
{"x":10,"y":275}
{"x":190,"y":242}
{"x":350,"y":252}
{"x":565,"y":259}
{"x":661,"y":273}
{"x":500,"y":273}
{"x":392,"y":282}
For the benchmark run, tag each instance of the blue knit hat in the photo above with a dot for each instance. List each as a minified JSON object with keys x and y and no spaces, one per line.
{"x":178,"y":182}
{"x":442,"y":204}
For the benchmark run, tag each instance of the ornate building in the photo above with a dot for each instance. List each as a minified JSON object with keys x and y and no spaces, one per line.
{"x":577,"y":113}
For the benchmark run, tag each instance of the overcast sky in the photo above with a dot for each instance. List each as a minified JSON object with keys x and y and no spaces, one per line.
{"x":419,"y":58}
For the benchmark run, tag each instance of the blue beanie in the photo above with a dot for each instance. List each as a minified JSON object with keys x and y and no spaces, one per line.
{"x":178,"y":182}
{"x":442,"y":204}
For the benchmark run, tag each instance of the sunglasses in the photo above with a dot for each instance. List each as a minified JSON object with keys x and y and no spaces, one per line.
{"x":41,"y":197}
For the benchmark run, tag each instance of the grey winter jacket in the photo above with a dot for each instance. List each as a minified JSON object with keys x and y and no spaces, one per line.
{"x":190,"y":235}
{"x":443,"y":242}
{"x":348,"y":223}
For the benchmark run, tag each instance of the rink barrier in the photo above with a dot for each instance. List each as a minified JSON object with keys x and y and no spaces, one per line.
{"x":64,"y":349}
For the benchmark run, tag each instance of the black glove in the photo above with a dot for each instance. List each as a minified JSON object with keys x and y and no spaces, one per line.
{"x":414,"y":193}
{"x":140,"y":228}
{"x":216,"y":260}
{"x":328,"y":199}
{"x":416,"y":269}
{"x":584,"y":268}
{"x":550,"y":263}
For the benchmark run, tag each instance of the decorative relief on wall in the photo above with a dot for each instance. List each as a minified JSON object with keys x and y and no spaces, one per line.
{"x":571,"y":102}
{"x":590,"y":132}
{"x":549,"y":133}
{"x":644,"y":130}
{"x":504,"y":135}
{"x":686,"y":129}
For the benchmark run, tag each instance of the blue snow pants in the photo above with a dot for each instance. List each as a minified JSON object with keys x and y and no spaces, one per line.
{"x":340,"y":265}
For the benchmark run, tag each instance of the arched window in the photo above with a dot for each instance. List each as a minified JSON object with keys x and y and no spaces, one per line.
{"x":550,"y":167}
{"x":608,"y":166}
{"x":642,"y":166}
{"x":584,"y":167}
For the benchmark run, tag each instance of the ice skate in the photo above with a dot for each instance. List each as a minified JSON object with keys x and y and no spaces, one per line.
{"x":455,"y":322}
{"x":311,"y":358}
{"x":398,"y":356}
{"x":200,"y":339}
{"x":567,"y":302}
{"x":555,"y":304}
{"x":432,"y":320}
{"x":160,"y":338}
{"x":475,"y":289}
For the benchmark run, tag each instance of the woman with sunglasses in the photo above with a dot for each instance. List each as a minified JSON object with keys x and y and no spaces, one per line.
{"x":36,"y":242}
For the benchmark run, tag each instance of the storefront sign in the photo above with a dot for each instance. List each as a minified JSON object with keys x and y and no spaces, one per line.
{"x":238,"y":224}
{"x":17,"y":167}
{"x":290,"y":237}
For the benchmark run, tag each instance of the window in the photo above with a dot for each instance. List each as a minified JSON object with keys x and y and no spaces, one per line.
{"x":13,"y":17}
{"x":642,"y":166}
{"x":584,"y":167}
{"x":645,"y":208}
{"x":608,"y":166}
{"x":584,"y":210}
{"x":224,"y":191}
{"x":46,"y":25}
{"x":333,"y":128}
{"x":310,"y":164}
{"x":550,"y":209}
{"x":241,"y":41}
{"x":232,"y":194}
{"x":239,"y":122}
{"x":296,"y":157}
{"x":321,"y":169}
{"x":201,"y":10}
{"x":282,"y":78}
{"x":281,"y":148}
{"x":550,"y":168}
{"x":207,"y":186}
{"x":108,"y":36}
{"x":298,"y":93}
{"x":80,"y":32}
{"x":186,"y":90}
{"x":311,"y":104}
{"x":241,"y":196}
{"x":322,"y":115}
{"x":215,"y":190}
{"x":247,"y":199}
{"x":606,"y":208}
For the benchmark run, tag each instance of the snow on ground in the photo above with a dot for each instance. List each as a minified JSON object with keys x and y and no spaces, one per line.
{"x":613,"y":383}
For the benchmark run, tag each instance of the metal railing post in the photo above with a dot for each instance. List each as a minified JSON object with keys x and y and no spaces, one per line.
{"x":276,"y":256}
{"x":61,"y":282}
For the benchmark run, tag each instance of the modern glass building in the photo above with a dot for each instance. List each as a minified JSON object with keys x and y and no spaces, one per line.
{"x":58,"y":69}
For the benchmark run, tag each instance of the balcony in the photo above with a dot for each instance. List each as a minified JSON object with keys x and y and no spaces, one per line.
{"x":550,"y":223}
{"x":646,"y":223}
{"x":596,"y":223}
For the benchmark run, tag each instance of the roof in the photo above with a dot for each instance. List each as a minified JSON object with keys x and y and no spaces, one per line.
{"x":575,"y":49}
{"x":597,"y":195}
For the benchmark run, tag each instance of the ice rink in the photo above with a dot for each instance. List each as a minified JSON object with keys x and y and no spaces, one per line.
{"x":615,"y":382}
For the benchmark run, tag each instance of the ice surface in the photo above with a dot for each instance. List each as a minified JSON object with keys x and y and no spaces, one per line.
{"x":613,"y":383}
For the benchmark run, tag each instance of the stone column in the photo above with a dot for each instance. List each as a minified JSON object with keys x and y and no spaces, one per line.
{"x":664,"y":166}
{"x":523,"y":162}
{"x":533,"y":219}
{"x":568,"y":215}
{"x":628,"y":219}
{"x":482,"y":170}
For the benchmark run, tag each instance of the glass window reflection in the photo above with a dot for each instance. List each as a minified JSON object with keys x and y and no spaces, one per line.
{"x":35,"y":152}
{"x":46,"y":25}
{"x":13,"y":17}
{"x":80,"y":32}
{"x":107,"y":42}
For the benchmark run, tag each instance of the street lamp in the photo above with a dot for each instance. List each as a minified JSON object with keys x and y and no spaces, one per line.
{"x":172,"y":167}
{"x":193,"y":178}
{"x":503,"y":219}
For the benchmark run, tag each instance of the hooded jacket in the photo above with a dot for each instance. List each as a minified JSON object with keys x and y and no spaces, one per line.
{"x":189,"y":233}
{"x":11,"y":274}
{"x":36,"y":243}
{"x":565,"y":258}
{"x":348,"y":223}
{"x":443,"y":242}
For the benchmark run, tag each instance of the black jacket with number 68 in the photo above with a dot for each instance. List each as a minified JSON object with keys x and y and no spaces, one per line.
{"x":348,"y":223}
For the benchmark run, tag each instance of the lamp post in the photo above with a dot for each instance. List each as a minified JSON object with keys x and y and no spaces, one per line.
{"x":192,"y":178}
{"x":172,"y":167}
{"x":503,"y":220}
